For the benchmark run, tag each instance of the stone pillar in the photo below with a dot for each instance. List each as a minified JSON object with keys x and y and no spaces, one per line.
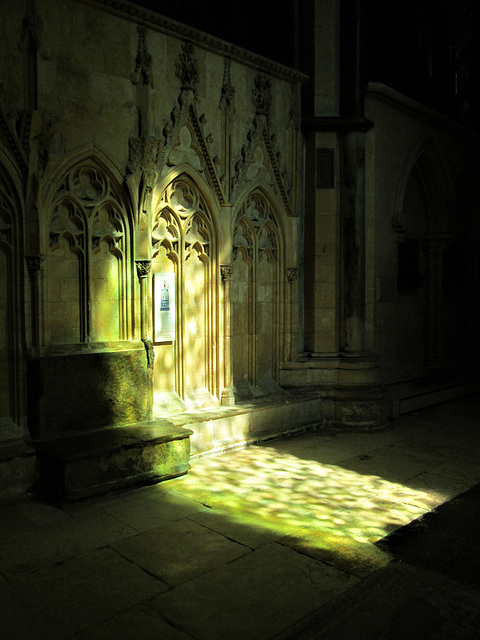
{"x":292,"y":276}
{"x":35,"y":268}
{"x":143,"y":271}
{"x":353,"y":243}
{"x":228,"y":398}
{"x":434,"y":248}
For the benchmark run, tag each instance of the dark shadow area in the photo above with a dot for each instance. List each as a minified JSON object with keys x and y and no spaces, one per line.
{"x":445,"y":540}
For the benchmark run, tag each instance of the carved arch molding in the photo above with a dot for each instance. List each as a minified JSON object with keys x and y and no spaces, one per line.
{"x":11,"y":335}
{"x":88,"y":259}
{"x":184,"y":243}
{"x":257,"y":294}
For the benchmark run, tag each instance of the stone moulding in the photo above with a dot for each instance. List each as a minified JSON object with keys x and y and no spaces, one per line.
{"x":12,"y":143}
{"x":157,"y":22}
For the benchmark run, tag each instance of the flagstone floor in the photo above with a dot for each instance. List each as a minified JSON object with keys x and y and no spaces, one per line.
{"x":271,"y":541}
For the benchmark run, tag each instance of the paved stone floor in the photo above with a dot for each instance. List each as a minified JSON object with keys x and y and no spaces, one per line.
{"x":274,"y":541}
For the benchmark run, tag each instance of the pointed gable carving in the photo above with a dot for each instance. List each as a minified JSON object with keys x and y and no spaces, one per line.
{"x":259,"y":161}
{"x":186,"y":141}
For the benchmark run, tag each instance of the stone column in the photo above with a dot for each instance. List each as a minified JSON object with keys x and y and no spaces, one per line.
{"x":292,"y":276}
{"x":434,"y":249}
{"x":35,"y":268}
{"x":353,"y":243}
{"x":228,"y":398}
{"x":143,"y":271}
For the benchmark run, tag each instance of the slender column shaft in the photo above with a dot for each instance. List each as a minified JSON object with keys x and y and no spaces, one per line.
{"x":228,"y":397}
{"x":35,"y":267}
{"x":143,"y":271}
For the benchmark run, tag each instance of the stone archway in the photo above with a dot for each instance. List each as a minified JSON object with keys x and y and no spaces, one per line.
{"x":185,"y":297}
{"x":88,"y":258}
{"x":257,"y":297}
{"x":10,"y":326}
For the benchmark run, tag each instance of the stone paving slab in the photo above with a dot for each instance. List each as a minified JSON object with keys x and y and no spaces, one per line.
{"x":59,"y":600}
{"x":253,"y":542}
{"x":43,"y":546}
{"x":399,"y":602}
{"x":392,"y":464}
{"x":179,"y":551}
{"x":334,"y":448}
{"x":230,"y":522}
{"x":151,"y":507}
{"x":138,"y":623}
{"x":253,"y":598}
{"x":335,"y":548}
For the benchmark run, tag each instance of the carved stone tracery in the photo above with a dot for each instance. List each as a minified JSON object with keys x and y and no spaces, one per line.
{"x":143,"y":60}
{"x":227,"y":92}
{"x":186,"y":69}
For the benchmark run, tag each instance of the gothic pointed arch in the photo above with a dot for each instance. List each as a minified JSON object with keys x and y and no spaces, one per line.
{"x":185,"y":262}
{"x":257,"y":295}
{"x":88,"y":252}
{"x":11,"y":298}
{"x":427,"y":160}
{"x":420,"y":222}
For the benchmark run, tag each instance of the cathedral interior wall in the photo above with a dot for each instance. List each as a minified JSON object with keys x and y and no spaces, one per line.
{"x":148,"y":156}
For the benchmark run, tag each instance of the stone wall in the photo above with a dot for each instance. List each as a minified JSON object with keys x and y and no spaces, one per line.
{"x":133,"y":146}
{"x":422,"y":239}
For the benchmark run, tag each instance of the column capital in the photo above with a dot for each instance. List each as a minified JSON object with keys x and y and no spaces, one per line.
{"x":35,"y":263}
{"x":143,"y":267}
{"x":226,"y":270}
{"x":293,"y":273}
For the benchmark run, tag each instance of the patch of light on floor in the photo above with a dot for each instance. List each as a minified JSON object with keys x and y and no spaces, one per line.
{"x":279,"y":492}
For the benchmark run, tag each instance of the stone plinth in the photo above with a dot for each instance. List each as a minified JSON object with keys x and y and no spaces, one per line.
{"x":83,"y":465}
{"x":87,"y":390}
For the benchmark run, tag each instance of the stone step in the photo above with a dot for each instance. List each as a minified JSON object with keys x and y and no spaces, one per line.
{"x":82,"y":465}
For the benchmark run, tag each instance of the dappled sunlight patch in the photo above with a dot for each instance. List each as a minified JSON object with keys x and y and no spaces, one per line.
{"x":335,"y":511}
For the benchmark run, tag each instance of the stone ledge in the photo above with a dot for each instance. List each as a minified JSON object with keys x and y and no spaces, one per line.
{"x":82,"y":465}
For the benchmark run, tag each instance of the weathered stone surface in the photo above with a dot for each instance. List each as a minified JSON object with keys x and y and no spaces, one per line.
{"x":255,"y":597}
{"x":200,"y":550}
{"x":81,"y":465}
{"x":80,"y":392}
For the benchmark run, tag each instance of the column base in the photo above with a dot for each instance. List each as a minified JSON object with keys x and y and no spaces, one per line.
{"x":228,"y":397}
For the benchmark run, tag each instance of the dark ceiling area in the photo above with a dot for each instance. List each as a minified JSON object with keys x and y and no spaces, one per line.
{"x":266,"y":28}
{"x":427,"y":49}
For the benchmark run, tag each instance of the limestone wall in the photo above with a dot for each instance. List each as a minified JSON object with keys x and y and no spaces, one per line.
{"x":133,"y":146}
